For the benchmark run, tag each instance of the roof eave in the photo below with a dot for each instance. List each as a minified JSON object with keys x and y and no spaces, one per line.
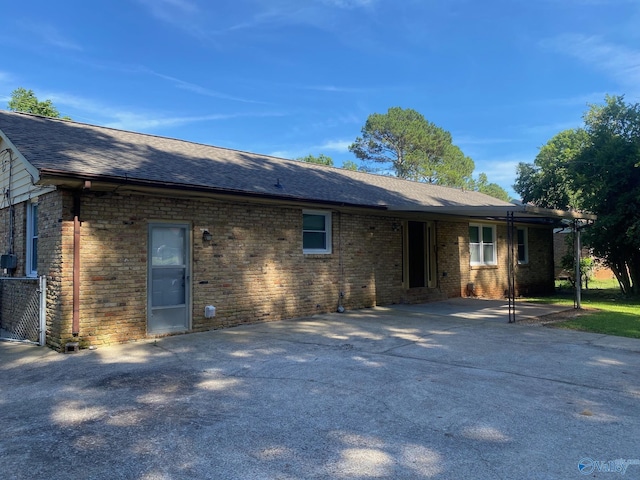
{"x":121,"y":184}
{"x":522,"y":212}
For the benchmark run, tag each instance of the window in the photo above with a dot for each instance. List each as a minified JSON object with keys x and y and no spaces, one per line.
{"x":523,"y":245}
{"x":482,"y":244}
{"x":316,"y":231}
{"x":31,"y":267}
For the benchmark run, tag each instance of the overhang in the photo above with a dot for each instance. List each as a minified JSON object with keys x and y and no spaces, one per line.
{"x":520,"y":212}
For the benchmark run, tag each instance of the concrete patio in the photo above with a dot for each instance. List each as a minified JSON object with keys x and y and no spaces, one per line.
{"x":447,"y":390}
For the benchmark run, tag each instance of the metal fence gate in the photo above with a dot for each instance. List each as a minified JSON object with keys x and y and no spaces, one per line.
{"x":23,"y":309}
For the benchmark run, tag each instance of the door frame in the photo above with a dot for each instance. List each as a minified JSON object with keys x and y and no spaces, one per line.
{"x":188,"y":245}
{"x":429,"y":254}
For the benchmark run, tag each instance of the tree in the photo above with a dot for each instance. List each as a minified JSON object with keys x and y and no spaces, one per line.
{"x":595,"y":169}
{"x":454,"y":169}
{"x":608,"y":180}
{"x":350,"y":165}
{"x":482,"y":185}
{"x":401,"y":138}
{"x":548,"y":181}
{"x":23,"y":100}
{"x":320,"y":159}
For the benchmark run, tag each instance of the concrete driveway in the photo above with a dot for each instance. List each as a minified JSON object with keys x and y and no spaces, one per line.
{"x":410,"y":392}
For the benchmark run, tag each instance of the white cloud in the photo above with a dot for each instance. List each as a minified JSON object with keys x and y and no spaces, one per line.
{"x":336,"y":89}
{"x":348,"y":3}
{"x":290,"y":154}
{"x":126,"y":120}
{"x":577,"y":100}
{"x":468,"y":140}
{"x":167,"y":9}
{"x":618,"y":61}
{"x":6,"y":77}
{"x":335,"y":145}
{"x":182,"y":14}
{"x":50,"y":35}
{"x":550,"y":128}
{"x":192,"y":87}
{"x":340,"y":146}
{"x":122,"y":118}
{"x":503,"y":170}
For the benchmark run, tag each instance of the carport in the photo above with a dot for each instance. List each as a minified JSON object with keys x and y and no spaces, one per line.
{"x":483,"y":310}
{"x":524,"y":213}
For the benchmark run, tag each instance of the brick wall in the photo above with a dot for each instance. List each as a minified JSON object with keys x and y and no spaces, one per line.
{"x":452,"y":241}
{"x":253,"y":268}
{"x":533,"y":278}
{"x":537,"y":276}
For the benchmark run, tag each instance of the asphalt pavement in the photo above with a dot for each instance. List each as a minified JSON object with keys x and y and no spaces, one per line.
{"x":445,"y":391}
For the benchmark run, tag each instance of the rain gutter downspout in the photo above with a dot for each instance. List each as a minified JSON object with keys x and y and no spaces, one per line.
{"x":75,"y":325}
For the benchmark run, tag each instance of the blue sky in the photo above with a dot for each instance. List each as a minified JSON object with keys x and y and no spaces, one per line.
{"x":297,"y":77}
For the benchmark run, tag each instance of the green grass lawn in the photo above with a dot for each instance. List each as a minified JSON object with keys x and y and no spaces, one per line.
{"x":607,"y":310}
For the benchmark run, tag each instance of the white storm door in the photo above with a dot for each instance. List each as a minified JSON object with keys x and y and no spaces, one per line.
{"x":168,"y":278}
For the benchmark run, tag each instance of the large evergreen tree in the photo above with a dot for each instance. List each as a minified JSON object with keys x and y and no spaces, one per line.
{"x":412,"y":147}
{"x":403,"y":141}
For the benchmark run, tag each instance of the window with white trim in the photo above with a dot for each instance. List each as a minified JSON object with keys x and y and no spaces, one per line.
{"x":316,"y":231}
{"x":482,"y":244}
{"x":31,"y":264}
{"x":523,"y":245}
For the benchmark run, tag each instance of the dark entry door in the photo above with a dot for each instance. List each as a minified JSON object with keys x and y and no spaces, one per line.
{"x":417,"y":254}
{"x":420,"y":257}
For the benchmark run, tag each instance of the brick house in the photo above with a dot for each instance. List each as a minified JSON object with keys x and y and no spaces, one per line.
{"x":138,"y":234}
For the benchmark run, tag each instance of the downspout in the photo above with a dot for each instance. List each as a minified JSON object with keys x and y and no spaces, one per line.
{"x":341,"y":308}
{"x":75,"y":327}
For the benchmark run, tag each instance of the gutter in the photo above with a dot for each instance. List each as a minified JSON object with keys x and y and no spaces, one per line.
{"x":61,"y":178}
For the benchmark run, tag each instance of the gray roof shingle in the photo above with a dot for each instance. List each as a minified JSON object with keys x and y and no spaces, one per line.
{"x":78,"y":149}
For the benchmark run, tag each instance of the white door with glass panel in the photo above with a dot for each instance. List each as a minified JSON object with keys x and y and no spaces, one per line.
{"x":168,"y":289}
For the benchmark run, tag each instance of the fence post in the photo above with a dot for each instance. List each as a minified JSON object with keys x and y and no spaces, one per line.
{"x":43,"y":310}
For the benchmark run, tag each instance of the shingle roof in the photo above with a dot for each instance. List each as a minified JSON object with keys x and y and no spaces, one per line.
{"x":78,"y":149}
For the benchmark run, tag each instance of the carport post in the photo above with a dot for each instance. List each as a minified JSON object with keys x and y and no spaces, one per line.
{"x":577,"y":262}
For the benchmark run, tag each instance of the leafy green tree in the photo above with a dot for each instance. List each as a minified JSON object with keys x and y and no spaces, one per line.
{"x":548,"y":182}
{"x":403,"y":140}
{"x":568,"y":262}
{"x":494,"y":190}
{"x":595,"y":169}
{"x":608,"y":180}
{"x":350,"y":165}
{"x":23,"y":100}
{"x":320,"y":159}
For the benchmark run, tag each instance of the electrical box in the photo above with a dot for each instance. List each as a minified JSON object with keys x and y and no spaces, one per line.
{"x":209,"y":311}
{"x":8,"y":261}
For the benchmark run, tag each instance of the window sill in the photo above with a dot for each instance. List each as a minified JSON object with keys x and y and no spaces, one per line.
{"x":484,"y":267}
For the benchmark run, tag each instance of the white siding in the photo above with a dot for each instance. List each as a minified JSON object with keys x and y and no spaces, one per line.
{"x":22,"y":186}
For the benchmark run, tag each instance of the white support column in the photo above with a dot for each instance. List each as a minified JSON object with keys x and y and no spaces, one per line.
{"x":43,"y":310}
